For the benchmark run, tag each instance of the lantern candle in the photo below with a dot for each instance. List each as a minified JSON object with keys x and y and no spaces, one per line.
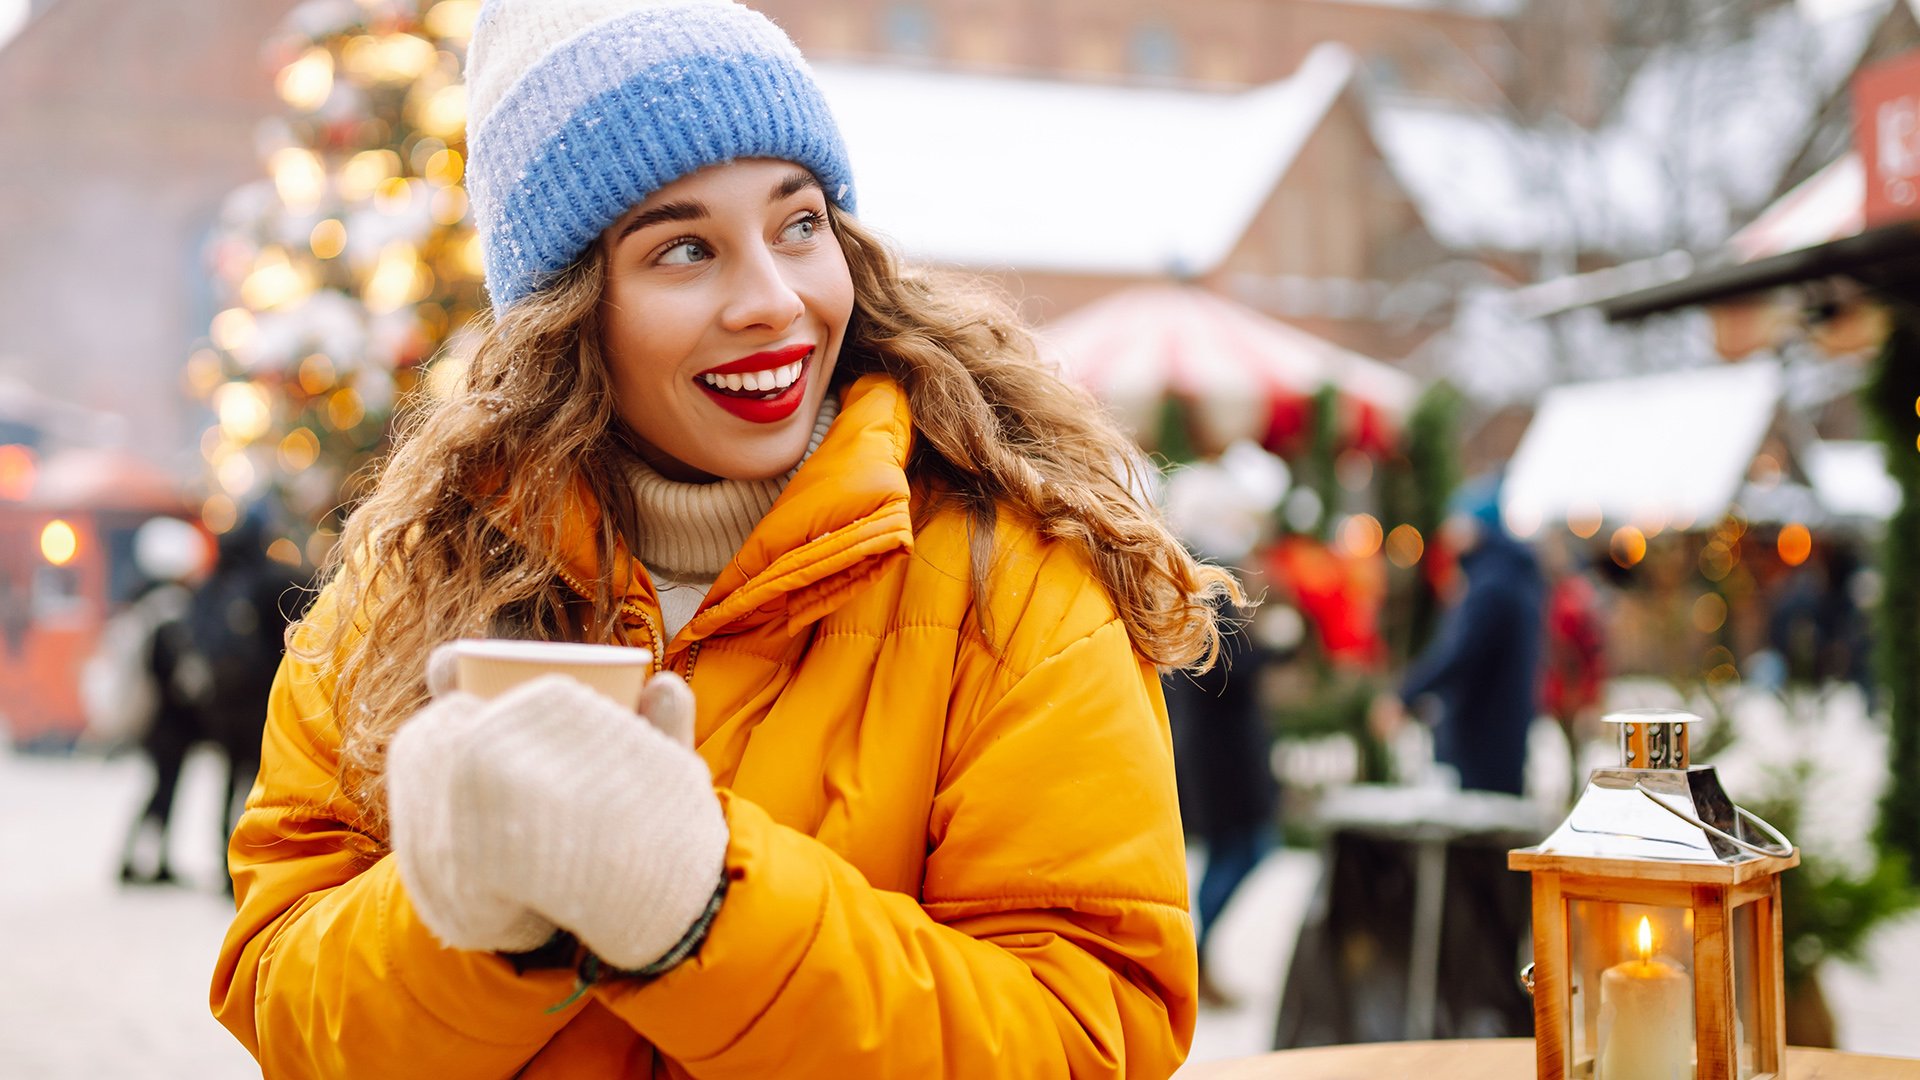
{"x":1646,"y":1018}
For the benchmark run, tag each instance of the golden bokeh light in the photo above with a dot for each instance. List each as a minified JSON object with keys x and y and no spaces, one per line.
{"x":306,"y":83}
{"x":453,"y":19}
{"x":1360,"y":536}
{"x":345,"y":409}
{"x":299,"y":450}
{"x":396,"y":279}
{"x":244,"y":411}
{"x":328,"y":239}
{"x":365,"y":171}
{"x":316,"y":374}
{"x":393,"y":196}
{"x":274,"y":281}
{"x":469,"y":257}
{"x":1405,"y":546}
{"x":299,"y":178}
{"x":388,"y":58}
{"x":59,"y":542}
{"x":1709,"y":613}
{"x":445,"y":168}
{"x":233,"y":330}
{"x":219,"y":514}
{"x":1795,"y":543}
{"x":1628,"y":546}
{"x":284,"y":551}
{"x":444,"y":113}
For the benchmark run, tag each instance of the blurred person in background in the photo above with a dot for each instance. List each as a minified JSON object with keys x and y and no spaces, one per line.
{"x":128,"y":690}
{"x":1484,"y":666}
{"x":191,"y":662}
{"x":1223,"y":511}
{"x":1574,"y":681}
{"x":899,"y":800}
{"x":1228,"y":795}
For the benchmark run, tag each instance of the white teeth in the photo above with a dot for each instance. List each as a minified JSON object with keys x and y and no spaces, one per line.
{"x":758,"y":381}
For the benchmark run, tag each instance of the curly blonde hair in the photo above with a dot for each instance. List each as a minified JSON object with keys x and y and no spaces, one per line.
{"x":996,"y":431}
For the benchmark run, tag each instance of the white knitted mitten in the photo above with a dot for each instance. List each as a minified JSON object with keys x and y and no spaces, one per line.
{"x":552,"y":804}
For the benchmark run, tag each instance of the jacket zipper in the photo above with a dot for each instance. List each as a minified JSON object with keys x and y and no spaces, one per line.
{"x":653,"y":635}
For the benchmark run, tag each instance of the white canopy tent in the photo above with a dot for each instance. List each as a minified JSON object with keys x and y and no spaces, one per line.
{"x":1673,"y":448}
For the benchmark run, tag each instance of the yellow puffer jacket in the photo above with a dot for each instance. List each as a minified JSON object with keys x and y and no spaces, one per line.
{"x":955,"y":846}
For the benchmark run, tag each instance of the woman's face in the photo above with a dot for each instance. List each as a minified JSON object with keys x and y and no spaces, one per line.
{"x":726,"y":304}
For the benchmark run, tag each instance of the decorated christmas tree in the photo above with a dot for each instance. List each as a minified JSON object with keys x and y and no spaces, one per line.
{"x":343,"y":272}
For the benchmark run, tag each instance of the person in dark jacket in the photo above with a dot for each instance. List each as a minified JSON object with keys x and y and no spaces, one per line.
{"x":1485,"y":664}
{"x":1228,"y":795}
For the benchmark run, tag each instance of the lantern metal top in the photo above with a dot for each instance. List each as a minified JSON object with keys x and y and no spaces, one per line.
{"x":1652,"y":738}
{"x":1658,"y":807}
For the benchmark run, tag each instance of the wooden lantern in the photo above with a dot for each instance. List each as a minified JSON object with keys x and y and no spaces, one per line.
{"x":1656,"y":923}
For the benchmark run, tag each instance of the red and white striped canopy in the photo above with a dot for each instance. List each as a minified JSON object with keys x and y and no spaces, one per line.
{"x":1235,"y":365}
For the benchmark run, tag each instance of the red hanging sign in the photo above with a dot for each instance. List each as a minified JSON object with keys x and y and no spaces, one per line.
{"x":1886,"y":130}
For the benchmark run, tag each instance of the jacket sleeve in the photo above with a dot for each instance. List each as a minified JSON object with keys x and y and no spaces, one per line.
{"x":1464,"y":635}
{"x":326,"y":970}
{"x":1051,"y":938}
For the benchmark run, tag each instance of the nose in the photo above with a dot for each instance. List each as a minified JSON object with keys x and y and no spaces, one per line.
{"x":761,"y":294}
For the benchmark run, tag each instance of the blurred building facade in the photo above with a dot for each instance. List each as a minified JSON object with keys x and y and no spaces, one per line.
{"x":122,"y":125}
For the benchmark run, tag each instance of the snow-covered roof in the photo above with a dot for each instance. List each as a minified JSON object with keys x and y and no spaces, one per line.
{"x":1020,"y":173}
{"x":1696,"y":142}
{"x":1675,"y":447}
{"x":1851,"y":478}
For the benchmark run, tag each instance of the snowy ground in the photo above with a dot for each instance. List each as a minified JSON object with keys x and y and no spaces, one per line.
{"x":109,"y":981}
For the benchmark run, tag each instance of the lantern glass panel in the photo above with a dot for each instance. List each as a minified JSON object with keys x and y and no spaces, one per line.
{"x":1745,"y":940}
{"x":1630,"y":991}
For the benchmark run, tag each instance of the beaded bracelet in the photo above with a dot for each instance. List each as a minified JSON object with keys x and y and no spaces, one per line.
{"x":591,"y":970}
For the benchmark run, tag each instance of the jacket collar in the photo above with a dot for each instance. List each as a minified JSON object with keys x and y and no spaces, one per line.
{"x":842,"y":519}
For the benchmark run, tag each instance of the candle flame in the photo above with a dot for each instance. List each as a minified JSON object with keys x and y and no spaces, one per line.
{"x":1645,"y":937}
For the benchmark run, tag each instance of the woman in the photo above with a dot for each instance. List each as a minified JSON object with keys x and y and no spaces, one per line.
{"x":929,"y":828}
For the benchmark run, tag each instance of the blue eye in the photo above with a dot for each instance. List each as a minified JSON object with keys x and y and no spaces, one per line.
{"x":684,"y":253}
{"x":806,"y":228}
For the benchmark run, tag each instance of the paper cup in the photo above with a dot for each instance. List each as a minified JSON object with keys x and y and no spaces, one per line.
{"x":491,"y":667}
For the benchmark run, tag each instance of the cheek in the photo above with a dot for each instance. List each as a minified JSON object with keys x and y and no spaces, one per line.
{"x":639,"y":340}
{"x":832,"y":292}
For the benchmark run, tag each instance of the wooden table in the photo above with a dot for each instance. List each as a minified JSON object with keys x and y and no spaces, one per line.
{"x":1493,"y":1059}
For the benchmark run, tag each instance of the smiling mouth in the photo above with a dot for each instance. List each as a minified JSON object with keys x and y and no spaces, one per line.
{"x":762,"y":385}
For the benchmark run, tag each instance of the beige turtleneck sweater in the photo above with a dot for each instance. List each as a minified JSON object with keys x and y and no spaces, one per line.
{"x":687,"y":533}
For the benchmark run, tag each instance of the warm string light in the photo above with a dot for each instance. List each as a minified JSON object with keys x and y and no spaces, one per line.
{"x":59,"y":542}
{"x":372,"y":209}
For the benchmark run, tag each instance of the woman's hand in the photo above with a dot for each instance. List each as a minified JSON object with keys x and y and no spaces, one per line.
{"x":552,"y":805}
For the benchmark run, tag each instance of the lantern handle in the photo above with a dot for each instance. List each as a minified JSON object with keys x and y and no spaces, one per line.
{"x":1784,"y":849}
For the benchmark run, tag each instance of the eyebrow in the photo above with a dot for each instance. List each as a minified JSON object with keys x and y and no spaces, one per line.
{"x":693,"y":210}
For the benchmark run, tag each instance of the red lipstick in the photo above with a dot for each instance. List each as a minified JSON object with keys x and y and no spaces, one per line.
{"x":761,"y":361}
{"x":762,"y":407}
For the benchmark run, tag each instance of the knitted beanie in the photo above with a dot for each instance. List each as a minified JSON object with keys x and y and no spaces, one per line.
{"x":579,"y":109}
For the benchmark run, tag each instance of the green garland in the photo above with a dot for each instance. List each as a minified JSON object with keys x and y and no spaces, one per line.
{"x":1893,"y":401}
